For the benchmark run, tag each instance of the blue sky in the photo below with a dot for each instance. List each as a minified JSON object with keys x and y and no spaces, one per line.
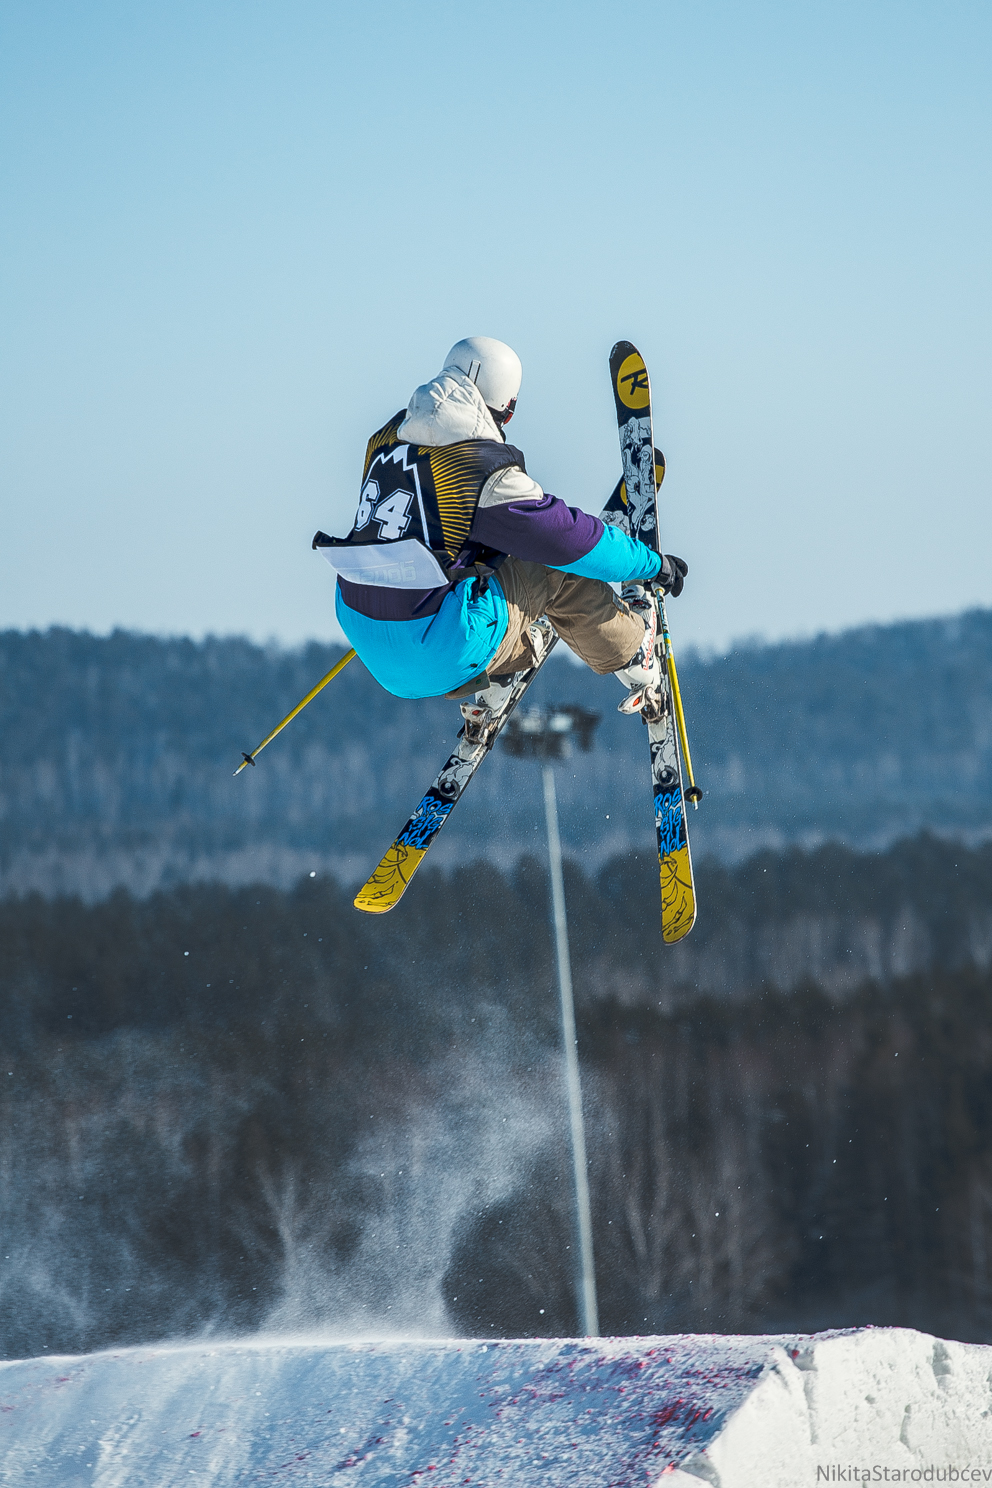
{"x":236,"y":236}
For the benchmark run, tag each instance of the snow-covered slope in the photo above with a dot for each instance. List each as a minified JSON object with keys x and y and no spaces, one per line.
{"x":893,"y":1404}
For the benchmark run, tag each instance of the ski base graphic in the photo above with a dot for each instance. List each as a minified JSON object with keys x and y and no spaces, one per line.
{"x":634,"y":508}
{"x":678,"y":897}
{"x":388,"y":883}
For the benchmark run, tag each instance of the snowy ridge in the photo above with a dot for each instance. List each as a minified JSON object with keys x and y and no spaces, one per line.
{"x":864,"y":1405}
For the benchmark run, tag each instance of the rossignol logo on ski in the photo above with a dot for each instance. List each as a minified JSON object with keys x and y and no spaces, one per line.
{"x":669,"y":821}
{"x":633,"y":387}
{"x":425,"y":823}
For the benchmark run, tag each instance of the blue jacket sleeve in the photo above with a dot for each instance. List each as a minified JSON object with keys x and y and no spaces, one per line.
{"x":616,"y":558}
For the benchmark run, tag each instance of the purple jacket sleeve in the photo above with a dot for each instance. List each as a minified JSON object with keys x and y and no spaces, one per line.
{"x":547,"y":531}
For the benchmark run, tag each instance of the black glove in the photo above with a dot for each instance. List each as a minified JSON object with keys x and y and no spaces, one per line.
{"x":671,"y":574}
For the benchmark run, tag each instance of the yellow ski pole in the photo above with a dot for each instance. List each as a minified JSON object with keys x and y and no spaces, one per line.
{"x":249,"y":759}
{"x":693,"y":794}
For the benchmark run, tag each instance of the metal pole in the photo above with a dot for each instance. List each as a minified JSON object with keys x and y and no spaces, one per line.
{"x":588,"y":1311}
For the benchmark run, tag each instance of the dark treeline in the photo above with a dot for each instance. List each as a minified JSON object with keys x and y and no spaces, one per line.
{"x":233,"y":1108}
{"x":833,"y":917}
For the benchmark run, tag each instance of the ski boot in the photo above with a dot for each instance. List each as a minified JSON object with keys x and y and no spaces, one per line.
{"x":642,"y":674}
{"x":484,"y":715}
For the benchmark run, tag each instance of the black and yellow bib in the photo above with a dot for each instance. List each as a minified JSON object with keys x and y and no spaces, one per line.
{"x":416,"y":509}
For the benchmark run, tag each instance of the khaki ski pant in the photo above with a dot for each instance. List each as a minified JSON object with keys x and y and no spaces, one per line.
{"x":586,"y":613}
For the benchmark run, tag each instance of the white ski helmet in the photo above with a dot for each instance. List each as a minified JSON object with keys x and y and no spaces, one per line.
{"x":493,"y":367}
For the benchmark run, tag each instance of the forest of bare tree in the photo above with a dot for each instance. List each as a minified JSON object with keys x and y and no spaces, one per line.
{"x":231,"y":1108}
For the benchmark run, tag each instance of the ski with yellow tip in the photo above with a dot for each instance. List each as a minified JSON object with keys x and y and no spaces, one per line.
{"x":483,"y":720}
{"x":634,"y":508}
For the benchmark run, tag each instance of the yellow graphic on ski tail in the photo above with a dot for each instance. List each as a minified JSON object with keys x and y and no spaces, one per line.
{"x":678,"y":899}
{"x":633,"y":387}
{"x":388,"y":883}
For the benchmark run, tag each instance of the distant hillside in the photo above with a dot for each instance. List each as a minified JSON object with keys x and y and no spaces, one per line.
{"x":116,"y":757}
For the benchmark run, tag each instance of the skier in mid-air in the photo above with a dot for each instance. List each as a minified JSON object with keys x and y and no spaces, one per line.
{"x":455,"y":551}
